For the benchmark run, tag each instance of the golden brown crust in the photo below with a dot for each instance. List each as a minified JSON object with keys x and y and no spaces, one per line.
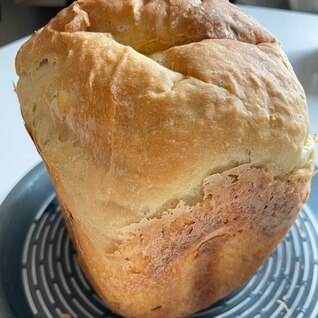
{"x":176,"y":135}
{"x":194,"y":255}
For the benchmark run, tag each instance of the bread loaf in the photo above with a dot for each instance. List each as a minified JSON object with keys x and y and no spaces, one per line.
{"x":176,"y":135}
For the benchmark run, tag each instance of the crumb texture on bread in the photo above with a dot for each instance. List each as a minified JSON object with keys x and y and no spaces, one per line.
{"x":158,"y":121}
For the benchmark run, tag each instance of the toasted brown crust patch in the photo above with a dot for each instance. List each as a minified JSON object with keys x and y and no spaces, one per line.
{"x":195,"y":255}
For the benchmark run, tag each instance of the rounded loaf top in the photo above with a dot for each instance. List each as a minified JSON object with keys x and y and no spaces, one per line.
{"x":142,"y":100}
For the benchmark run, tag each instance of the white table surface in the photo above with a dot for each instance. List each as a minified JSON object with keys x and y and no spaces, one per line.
{"x":298,"y":32}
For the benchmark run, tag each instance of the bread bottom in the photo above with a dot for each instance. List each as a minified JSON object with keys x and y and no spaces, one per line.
{"x":193,"y":256}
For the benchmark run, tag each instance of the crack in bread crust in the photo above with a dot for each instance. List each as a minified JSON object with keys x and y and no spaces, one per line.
{"x":196,"y":252}
{"x":168,"y":25}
